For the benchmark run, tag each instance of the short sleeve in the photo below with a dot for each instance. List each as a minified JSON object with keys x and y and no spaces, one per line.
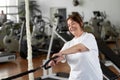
{"x":90,"y":42}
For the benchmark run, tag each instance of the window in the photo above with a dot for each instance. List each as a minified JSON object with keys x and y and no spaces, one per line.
{"x":10,"y":8}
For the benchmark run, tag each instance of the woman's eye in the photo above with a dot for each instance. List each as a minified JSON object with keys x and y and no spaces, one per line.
{"x":73,"y":23}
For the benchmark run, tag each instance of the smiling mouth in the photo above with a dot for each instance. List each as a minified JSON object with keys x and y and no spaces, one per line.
{"x":73,"y":29}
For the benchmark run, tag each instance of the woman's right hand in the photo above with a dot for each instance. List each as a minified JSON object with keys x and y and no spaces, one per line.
{"x":52,"y":63}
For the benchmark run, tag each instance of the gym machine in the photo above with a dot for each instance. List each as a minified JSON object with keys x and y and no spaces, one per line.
{"x":7,"y":42}
{"x":102,"y":28}
{"x":109,"y":54}
{"x":40,"y":40}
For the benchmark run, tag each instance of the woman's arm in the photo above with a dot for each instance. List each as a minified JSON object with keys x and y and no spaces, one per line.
{"x":76,"y":48}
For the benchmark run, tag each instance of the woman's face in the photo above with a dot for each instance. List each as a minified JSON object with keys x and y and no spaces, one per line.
{"x":74,"y":27}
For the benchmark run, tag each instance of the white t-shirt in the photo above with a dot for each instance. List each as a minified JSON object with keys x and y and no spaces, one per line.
{"x":84,"y":65}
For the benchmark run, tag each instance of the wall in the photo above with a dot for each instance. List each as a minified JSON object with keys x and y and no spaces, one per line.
{"x":86,"y":9}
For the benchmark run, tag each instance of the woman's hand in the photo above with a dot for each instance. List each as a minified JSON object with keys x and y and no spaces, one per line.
{"x":57,"y":60}
{"x":60,"y":57}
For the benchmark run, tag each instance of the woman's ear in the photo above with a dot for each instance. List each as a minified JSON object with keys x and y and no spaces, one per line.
{"x":81,"y":25}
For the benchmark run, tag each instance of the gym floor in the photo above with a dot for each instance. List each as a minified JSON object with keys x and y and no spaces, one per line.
{"x":20,"y":65}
